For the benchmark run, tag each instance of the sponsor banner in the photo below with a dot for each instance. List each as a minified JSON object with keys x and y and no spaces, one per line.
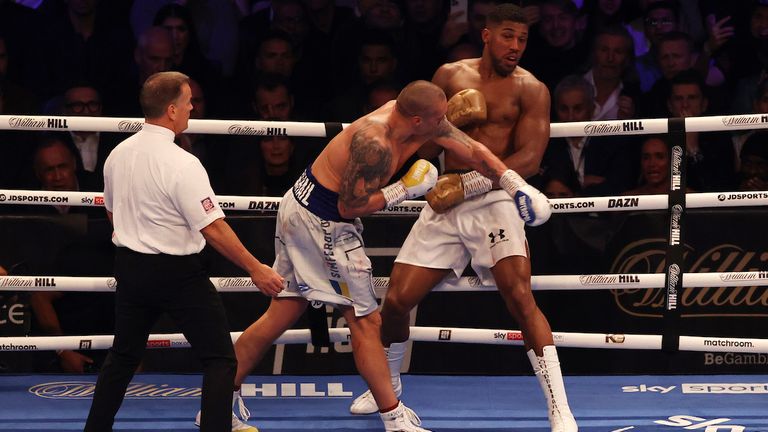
{"x":36,"y":198}
{"x":131,"y":125}
{"x":9,"y":346}
{"x":730,"y":122}
{"x":257,"y":128}
{"x":13,"y":316}
{"x":735,"y":359}
{"x":611,"y":127}
{"x":57,"y":283}
{"x":79,"y":123}
{"x":725,"y":388}
{"x":698,"y":343}
{"x":740,"y":196}
{"x":605,"y":204}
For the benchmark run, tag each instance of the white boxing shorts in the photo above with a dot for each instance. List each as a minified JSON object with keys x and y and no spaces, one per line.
{"x":482,"y":230}
{"x":322,"y":260}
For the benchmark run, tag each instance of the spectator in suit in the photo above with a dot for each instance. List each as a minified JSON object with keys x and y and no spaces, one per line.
{"x":710,"y":155}
{"x":92,"y":147}
{"x":603,"y":165}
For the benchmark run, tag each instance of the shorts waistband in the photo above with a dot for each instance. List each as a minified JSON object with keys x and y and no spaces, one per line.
{"x":316,"y":198}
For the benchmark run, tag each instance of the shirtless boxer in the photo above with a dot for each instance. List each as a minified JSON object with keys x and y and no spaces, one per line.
{"x":319,"y":249}
{"x":468,"y":219}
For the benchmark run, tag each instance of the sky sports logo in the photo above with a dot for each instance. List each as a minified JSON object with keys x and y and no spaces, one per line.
{"x":701,"y":388}
{"x":725,"y":388}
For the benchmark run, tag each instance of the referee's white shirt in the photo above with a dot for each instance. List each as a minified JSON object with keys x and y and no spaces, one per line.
{"x":159,"y":195}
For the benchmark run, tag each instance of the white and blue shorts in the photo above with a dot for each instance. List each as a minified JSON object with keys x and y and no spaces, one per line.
{"x":322,"y":260}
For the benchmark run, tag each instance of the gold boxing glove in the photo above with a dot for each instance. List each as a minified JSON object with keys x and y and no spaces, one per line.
{"x":466,"y":107}
{"x":447,"y":193}
{"x":453,"y":189}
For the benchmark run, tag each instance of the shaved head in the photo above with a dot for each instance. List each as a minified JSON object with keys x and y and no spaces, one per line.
{"x":420,"y":98}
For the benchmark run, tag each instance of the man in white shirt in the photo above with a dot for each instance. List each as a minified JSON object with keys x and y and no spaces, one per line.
{"x":611,"y":59}
{"x":163,"y":210}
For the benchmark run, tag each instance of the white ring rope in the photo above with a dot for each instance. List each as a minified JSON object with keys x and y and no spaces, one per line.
{"x":418,"y":334}
{"x":131,"y":125}
{"x":538,"y":283}
{"x":433,"y":334}
{"x":309,"y":129}
{"x":559,"y":205}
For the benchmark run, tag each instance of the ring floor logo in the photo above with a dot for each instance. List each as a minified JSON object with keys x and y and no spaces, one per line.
{"x":85,"y":389}
{"x":683,"y":422}
{"x":292,"y":390}
{"x":698,"y":395}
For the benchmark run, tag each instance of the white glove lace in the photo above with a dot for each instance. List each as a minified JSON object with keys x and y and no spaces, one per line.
{"x":475,"y":184}
{"x":394,"y":193}
{"x":511,"y":181}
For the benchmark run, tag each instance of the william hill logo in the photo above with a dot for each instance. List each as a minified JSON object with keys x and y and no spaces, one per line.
{"x":609,"y":279}
{"x":613,"y":128}
{"x":84,"y":390}
{"x":744,"y":120}
{"x":130,"y":126}
{"x":238,"y":129}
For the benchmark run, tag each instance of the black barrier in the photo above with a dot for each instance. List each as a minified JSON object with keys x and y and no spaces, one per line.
{"x":628,"y":243}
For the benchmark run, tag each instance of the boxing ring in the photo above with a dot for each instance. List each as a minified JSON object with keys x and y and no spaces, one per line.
{"x":708,"y":403}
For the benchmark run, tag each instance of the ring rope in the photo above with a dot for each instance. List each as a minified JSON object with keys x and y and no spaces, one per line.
{"x":418,"y":334}
{"x":310,"y":129}
{"x":630,"y":127}
{"x":559,"y":205}
{"x":538,"y":283}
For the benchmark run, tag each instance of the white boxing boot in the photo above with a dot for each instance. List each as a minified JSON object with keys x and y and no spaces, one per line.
{"x":402,"y":419}
{"x":547,"y":370}
{"x":365,"y":403}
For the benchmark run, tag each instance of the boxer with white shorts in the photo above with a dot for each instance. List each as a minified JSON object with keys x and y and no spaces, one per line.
{"x":482,"y":230}
{"x":507,"y":108}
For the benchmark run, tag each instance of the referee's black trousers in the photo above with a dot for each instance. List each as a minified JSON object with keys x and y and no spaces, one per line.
{"x":148,"y":285}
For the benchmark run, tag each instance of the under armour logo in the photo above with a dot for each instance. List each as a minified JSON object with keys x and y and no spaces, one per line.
{"x":500,"y":236}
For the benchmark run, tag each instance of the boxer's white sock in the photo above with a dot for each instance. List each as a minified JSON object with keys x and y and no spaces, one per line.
{"x":395,"y":355}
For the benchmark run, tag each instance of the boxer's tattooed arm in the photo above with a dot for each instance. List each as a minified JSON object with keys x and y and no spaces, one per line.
{"x":368,"y":167}
{"x":471,"y":150}
{"x":447,"y":130}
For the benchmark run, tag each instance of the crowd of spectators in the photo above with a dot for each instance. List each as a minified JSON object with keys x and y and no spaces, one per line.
{"x":334,"y":61}
{"x":325,"y":60}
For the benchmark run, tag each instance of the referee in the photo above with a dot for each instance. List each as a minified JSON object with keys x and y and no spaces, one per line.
{"x":163,"y":210}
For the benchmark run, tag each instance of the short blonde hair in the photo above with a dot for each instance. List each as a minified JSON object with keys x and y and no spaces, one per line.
{"x":419,"y":98}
